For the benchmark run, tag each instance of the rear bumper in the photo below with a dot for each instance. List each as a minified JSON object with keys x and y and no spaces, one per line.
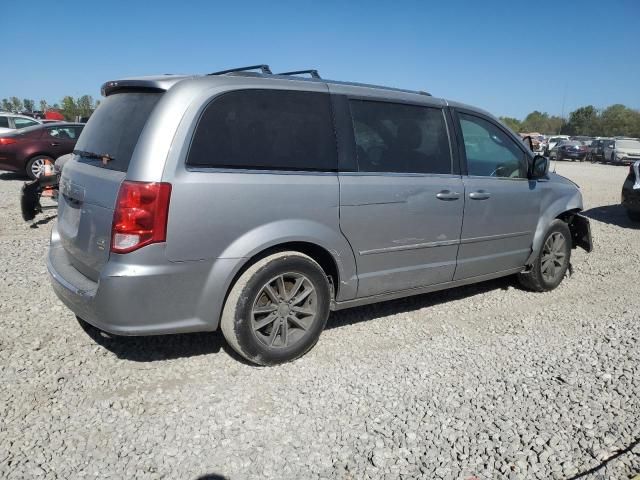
{"x":149,"y":297}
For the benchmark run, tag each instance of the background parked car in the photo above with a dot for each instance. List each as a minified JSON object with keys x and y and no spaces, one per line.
{"x":53,"y":115}
{"x":596,"y":149}
{"x":10,"y":122}
{"x":28,"y":150}
{"x":622,"y":150}
{"x":631,"y":192}
{"x":552,"y":148}
{"x":553,"y":141}
{"x":572,"y":150}
{"x":582,"y":138}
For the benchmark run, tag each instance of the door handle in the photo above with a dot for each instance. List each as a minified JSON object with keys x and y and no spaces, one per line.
{"x":447,"y":195}
{"x":479,"y":195}
{"x":55,"y":144}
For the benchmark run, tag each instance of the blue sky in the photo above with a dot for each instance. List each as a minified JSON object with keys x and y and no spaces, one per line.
{"x":509,"y":57}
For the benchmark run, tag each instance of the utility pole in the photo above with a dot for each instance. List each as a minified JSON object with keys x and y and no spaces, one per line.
{"x":564,"y":99}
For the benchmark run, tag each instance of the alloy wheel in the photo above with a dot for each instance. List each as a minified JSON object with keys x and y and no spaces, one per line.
{"x":37,"y":167}
{"x":553,"y":257}
{"x":284,"y":310}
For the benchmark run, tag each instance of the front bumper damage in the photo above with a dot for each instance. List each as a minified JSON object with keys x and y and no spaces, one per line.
{"x":581,"y":232}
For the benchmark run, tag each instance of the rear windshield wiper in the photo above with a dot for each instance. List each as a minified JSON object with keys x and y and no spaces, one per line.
{"x":105,"y":157}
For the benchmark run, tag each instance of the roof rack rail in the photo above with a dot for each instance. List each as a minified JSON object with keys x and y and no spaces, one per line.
{"x":314,"y":73}
{"x":263,"y":68}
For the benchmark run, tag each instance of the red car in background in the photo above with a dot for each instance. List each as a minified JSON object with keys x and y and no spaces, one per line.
{"x":53,"y":115}
{"x":28,"y":150}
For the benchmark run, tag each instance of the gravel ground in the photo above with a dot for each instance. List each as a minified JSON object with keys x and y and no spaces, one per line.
{"x":486,"y":381}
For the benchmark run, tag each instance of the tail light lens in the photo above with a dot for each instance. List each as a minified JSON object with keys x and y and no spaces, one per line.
{"x":140,"y":216}
{"x":7,"y":141}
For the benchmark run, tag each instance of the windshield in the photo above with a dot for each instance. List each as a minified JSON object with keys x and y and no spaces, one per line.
{"x":628,"y":144}
{"x":114,"y":128}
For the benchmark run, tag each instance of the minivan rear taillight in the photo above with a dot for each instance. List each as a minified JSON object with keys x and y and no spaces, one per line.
{"x":7,"y":141}
{"x":140,"y":216}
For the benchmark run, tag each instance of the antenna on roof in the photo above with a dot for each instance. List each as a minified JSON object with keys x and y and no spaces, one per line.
{"x":264,"y":69}
{"x":313,"y":73}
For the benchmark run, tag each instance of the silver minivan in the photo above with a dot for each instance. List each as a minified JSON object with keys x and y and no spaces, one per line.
{"x":257,"y":203}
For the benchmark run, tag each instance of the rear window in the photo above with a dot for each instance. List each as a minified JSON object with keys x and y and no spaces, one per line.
{"x":114,"y":128}
{"x":266,"y":129}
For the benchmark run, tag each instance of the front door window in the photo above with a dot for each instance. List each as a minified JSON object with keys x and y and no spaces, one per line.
{"x":491,"y":152}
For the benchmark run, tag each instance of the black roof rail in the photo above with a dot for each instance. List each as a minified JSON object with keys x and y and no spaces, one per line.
{"x":314,"y":73}
{"x":263,"y":68}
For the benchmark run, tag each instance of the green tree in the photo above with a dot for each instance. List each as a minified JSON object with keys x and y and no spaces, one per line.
{"x":536,"y":122}
{"x":583,"y":121}
{"x":554,"y":124}
{"x":44,"y":106}
{"x":618,"y":120}
{"x":6,"y":105}
{"x":85,"y":105}
{"x":513,"y":123}
{"x":28,"y":104}
{"x":69,"y":108}
{"x":16,"y":104}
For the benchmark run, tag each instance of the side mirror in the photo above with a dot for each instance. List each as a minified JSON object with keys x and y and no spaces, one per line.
{"x":539,"y":167}
{"x":528,"y":142}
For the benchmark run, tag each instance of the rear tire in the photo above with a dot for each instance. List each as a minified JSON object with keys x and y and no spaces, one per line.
{"x":552,"y":261}
{"x":277,"y":309}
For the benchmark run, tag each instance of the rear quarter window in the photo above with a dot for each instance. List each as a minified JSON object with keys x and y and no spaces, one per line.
{"x":114,"y":128}
{"x":266,"y":129}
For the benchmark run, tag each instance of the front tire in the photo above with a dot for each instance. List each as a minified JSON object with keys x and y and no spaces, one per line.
{"x":277,"y":309}
{"x":552,"y":261}
{"x":35,"y":166}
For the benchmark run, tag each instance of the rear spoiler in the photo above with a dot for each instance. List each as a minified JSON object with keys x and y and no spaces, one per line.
{"x":157,"y":84}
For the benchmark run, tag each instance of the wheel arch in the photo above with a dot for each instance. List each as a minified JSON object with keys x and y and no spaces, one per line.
{"x":563,"y":208}
{"x":314,"y":251}
{"x":226,"y":271}
{"x":37,"y":154}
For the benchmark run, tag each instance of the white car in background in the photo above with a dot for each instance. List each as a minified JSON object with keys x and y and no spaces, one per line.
{"x":10,"y":122}
{"x":621,"y":150}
